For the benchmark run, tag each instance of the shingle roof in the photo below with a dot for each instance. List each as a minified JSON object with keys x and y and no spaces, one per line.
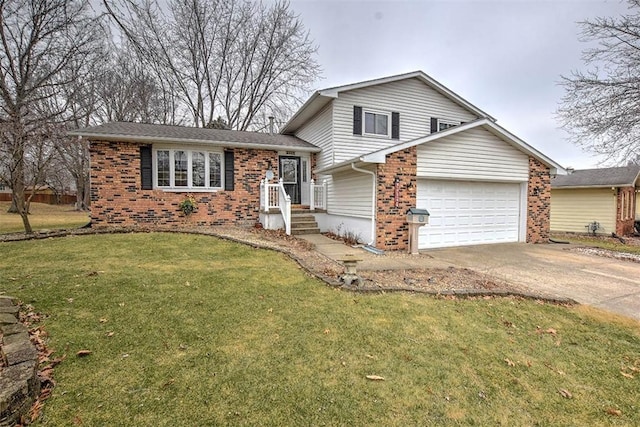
{"x":625,"y":176}
{"x":142,"y":132}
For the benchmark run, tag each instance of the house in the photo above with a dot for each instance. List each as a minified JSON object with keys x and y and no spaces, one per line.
{"x":601,"y":201}
{"x":359,"y":156}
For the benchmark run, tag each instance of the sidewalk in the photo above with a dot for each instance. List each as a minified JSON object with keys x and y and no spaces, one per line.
{"x":337,"y":250}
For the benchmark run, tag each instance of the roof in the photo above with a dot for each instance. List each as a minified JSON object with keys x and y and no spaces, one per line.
{"x":625,"y":176}
{"x":145,"y":133}
{"x":379,"y":156}
{"x":322,"y":97}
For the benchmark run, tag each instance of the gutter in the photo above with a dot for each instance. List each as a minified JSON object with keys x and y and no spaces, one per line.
{"x":165,"y":140}
{"x":373,"y":203}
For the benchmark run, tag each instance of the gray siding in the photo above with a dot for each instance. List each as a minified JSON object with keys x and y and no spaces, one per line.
{"x":472,"y":155}
{"x":319,"y":132}
{"x":414,"y":100}
{"x":350,"y":194}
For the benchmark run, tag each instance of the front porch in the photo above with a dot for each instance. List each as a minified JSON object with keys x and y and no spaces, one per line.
{"x":278,"y":213}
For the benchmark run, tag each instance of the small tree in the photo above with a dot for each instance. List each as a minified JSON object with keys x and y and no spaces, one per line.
{"x":44,"y":45}
{"x":601,"y":106}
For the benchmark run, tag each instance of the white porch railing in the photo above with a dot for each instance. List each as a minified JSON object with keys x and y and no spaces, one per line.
{"x":273,"y":196}
{"x":318,"y":196}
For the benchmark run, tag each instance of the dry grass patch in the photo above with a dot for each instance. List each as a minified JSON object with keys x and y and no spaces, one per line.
{"x":43,"y":217}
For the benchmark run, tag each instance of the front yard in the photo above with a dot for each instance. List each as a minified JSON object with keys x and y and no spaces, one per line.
{"x":192,"y":330}
{"x":42,"y":217}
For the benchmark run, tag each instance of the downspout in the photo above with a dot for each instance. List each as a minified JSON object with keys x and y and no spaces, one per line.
{"x":373,"y":203}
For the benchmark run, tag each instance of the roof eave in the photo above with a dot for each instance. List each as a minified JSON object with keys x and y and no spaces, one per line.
{"x":156,"y":139}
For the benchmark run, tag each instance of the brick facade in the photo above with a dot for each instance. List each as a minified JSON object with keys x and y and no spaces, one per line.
{"x":625,"y":212}
{"x":392,"y":230}
{"x":538,"y":202}
{"x":118,"y":200}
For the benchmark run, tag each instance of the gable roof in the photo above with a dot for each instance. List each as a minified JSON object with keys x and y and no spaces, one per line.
{"x":625,"y":176}
{"x":149,"y":133}
{"x":379,"y":156}
{"x":322,"y":97}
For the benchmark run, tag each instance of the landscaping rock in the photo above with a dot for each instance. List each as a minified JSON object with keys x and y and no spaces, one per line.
{"x":7,"y":319}
{"x":19,"y":352}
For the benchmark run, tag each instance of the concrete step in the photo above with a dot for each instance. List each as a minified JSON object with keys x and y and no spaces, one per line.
{"x":303,"y":218}
{"x":299,"y":231}
{"x":310,"y":224}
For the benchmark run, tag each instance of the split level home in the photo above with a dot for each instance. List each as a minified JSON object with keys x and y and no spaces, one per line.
{"x":598,"y":201}
{"x":353,"y":160}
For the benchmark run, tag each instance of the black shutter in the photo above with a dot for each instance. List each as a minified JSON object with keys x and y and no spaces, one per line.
{"x":228,"y":171}
{"x":395,"y":125}
{"x":434,"y":125}
{"x":146,"y":168}
{"x":357,"y":120}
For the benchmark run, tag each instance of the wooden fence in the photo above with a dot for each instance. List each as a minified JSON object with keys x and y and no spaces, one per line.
{"x":51,"y":199}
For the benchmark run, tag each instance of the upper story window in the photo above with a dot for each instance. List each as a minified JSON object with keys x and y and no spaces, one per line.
{"x":438,"y":125}
{"x":446,"y":124}
{"x":376,"y":123}
{"x":189,"y":169}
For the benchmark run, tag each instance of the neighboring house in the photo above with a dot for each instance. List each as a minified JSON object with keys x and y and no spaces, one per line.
{"x":374,"y":148}
{"x":603,"y":201}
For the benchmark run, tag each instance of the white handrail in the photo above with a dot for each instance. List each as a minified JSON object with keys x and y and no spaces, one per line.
{"x":274,"y":196}
{"x":318,"y":196}
{"x":286,"y":209}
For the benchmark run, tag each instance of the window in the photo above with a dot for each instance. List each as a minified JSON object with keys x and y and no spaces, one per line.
{"x":215,"y":169}
{"x":442,"y":125}
{"x":193,"y":169}
{"x":376,"y":123}
{"x":181,"y":167}
{"x":164,"y":168}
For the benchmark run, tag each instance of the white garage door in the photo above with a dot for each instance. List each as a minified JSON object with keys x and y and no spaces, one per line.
{"x":468,"y":213}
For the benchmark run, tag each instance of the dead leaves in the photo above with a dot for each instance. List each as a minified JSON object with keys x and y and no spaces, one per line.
{"x":509,"y":362}
{"x":83,"y":353}
{"x":613,"y":411}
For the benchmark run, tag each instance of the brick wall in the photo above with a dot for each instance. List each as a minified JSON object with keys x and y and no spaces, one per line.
{"x":538,"y":202}
{"x":118,"y":200}
{"x":625,"y":219}
{"x":392,"y":229}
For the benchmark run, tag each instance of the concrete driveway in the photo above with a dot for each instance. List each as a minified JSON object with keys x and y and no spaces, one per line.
{"x":551,"y":269}
{"x":606,"y":283}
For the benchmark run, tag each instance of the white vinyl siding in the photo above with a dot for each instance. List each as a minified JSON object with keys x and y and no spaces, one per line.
{"x":319,"y":132}
{"x":350,"y":194}
{"x":472,"y":155}
{"x":573,"y":209}
{"x":415,"y":101}
{"x":469,"y":213}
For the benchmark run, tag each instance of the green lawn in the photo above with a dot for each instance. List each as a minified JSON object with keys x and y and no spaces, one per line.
{"x":42,"y":217}
{"x":191,"y":330}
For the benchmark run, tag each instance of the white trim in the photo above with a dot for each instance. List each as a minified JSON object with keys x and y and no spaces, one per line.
{"x":189,"y":151}
{"x":524,"y":214}
{"x":188,"y":141}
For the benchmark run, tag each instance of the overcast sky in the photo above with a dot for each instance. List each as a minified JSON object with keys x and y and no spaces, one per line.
{"x":505,"y":57}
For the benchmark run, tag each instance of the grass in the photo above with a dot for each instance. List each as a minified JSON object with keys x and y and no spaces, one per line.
{"x":191,"y":330}
{"x":603,"y":242}
{"x":42,"y":217}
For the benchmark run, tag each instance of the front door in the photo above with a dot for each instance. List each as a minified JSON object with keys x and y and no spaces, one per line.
{"x":290,"y":174}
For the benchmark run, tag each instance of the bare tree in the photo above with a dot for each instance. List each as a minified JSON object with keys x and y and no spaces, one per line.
{"x":601,"y":106}
{"x":231,"y":58}
{"x":44,"y":44}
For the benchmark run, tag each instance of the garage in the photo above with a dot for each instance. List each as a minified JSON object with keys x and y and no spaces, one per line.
{"x":469,"y":212}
